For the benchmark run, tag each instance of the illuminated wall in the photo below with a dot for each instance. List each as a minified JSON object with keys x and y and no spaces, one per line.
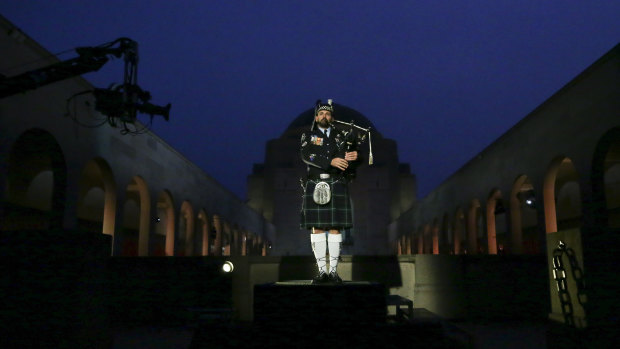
{"x":56,"y":173}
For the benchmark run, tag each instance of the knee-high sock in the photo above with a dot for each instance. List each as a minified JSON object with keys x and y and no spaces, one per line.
{"x":333,"y":242}
{"x":319,"y":247}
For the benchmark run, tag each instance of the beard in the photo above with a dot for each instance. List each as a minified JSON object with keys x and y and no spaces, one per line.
{"x":323,"y":123}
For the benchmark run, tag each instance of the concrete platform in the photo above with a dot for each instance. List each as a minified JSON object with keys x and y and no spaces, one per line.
{"x":301,"y":303}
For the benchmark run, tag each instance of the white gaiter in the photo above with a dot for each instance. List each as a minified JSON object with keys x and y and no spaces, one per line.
{"x":333,"y":242}
{"x":319,"y":247}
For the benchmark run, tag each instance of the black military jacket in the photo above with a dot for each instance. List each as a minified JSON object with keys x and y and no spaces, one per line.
{"x":317,"y":151}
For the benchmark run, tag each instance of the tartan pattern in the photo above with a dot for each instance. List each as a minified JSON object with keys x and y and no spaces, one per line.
{"x":336,"y":214}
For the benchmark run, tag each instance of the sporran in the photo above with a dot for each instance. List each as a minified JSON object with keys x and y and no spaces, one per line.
{"x":322,"y":193}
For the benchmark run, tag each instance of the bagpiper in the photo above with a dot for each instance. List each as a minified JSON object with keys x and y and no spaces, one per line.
{"x":331,"y":155}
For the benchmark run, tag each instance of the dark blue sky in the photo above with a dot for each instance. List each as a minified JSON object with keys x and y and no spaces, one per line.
{"x":443,"y":79}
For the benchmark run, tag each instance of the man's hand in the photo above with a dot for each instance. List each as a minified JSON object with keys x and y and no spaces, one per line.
{"x":350,"y":156}
{"x":340,"y":163}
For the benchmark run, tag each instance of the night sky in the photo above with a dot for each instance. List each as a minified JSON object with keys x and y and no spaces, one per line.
{"x":444,"y":79}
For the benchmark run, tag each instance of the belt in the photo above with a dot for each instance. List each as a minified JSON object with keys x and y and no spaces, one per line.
{"x":320,"y":176}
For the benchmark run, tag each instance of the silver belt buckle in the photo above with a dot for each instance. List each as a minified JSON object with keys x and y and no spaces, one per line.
{"x":324,"y":175}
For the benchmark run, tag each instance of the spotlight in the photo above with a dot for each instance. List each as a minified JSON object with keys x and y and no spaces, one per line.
{"x":529,"y":198}
{"x":228,"y":267}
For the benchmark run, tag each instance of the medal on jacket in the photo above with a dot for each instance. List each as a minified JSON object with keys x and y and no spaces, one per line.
{"x":316,"y":140}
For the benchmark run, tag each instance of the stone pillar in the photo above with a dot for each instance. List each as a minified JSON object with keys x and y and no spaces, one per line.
{"x":440,"y":285}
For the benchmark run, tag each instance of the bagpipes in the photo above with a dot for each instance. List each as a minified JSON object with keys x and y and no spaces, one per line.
{"x":352,"y":141}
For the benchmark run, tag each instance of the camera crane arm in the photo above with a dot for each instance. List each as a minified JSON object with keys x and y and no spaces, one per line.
{"x":120,"y":102}
{"x":90,"y":59}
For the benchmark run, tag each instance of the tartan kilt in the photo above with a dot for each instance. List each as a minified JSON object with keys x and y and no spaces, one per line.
{"x":336,"y":214}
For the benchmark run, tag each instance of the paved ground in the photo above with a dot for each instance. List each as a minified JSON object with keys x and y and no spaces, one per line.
{"x":426,"y":331}
{"x":505,"y":334}
{"x":297,"y":333}
{"x":153,"y":337}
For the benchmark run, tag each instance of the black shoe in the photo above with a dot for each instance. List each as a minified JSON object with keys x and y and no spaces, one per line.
{"x":333,"y":277}
{"x":320,"y":278}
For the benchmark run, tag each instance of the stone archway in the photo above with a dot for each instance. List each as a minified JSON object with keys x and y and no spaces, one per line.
{"x":459,"y":232}
{"x":164,"y":235}
{"x":495,"y":212}
{"x":226,"y":238}
{"x":204,"y":231}
{"x":435,"y":237}
{"x":426,"y":239}
{"x":409,"y":242}
{"x":235,"y":245}
{"x":96,"y":208}
{"x":474,"y":231}
{"x":136,"y":223}
{"x":36,"y":183}
{"x":420,"y":240}
{"x":186,"y":230}
{"x":447,"y":241}
{"x":217,"y":235}
{"x":562,"y":196}
{"x":606,"y":180}
{"x":524,"y":231}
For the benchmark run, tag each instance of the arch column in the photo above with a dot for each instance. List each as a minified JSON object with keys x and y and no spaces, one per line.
{"x":447,"y":233}
{"x":235,"y":245}
{"x":516,"y":224}
{"x":217,"y":224}
{"x":118,"y":215}
{"x":244,"y":243}
{"x":187,"y":229}
{"x":491,"y":221}
{"x":551,"y":222}
{"x":264,"y":248}
{"x":459,"y":231}
{"x":227,"y":237}
{"x":204,"y":228}
{"x":409,"y":243}
{"x":421,"y":241}
{"x":435,"y":238}
{"x":147,"y":206}
{"x":472,"y":231}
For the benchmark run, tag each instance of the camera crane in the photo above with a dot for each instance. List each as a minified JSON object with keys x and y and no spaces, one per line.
{"x":121,"y":102}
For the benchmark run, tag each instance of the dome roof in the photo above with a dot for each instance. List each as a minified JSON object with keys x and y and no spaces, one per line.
{"x":341,"y":113}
